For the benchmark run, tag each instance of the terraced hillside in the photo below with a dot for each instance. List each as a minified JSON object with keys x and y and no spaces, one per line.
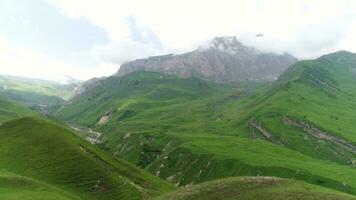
{"x":39,"y":159}
{"x":252,"y":188}
{"x":188,"y":131}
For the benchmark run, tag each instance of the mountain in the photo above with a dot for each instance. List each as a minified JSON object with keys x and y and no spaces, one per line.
{"x":252,"y":188}
{"x":224,"y":59}
{"x":39,"y":159}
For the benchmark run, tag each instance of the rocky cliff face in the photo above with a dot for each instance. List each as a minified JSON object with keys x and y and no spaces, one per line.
{"x":224,"y":59}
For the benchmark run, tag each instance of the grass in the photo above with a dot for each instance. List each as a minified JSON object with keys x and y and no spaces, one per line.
{"x":52,"y":155}
{"x":18,"y":187}
{"x":251,"y":188}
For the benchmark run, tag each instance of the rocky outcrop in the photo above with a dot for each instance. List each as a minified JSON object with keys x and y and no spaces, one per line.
{"x":225,"y":59}
{"x":319,"y":134}
{"x":94,"y":82}
{"x":104,"y":119}
{"x":254,"y":125}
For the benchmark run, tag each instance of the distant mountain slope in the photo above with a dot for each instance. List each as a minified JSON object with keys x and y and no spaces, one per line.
{"x":37,"y":86}
{"x":41,"y":95}
{"x":253,"y":188}
{"x":33,"y":100}
{"x":52,"y":155}
{"x":224,"y":60}
{"x":12,"y":110}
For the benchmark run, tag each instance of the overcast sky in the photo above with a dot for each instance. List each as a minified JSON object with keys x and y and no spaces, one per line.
{"x":89,"y":38}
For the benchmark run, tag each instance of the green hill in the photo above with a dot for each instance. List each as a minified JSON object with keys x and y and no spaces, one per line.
{"x":42,"y":159}
{"x":188,"y":131}
{"x":114,"y":95}
{"x":11,"y":110}
{"x":251,"y":188}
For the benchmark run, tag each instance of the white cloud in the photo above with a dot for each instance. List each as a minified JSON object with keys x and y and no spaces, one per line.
{"x":306,"y":28}
{"x":22,"y":61}
{"x":2,"y":19}
{"x":181,"y":25}
{"x":122,"y":51}
{"x":349,"y":42}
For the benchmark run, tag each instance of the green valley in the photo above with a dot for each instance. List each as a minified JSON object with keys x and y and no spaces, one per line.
{"x":188,"y":131}
{"x":178,"y":100}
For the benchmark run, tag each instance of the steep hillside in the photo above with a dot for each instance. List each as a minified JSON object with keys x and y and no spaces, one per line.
{"x":299,"y":127}
{"x":252,"y":188}
{"x":312,"y":104}
{"x":223,"y":59}
{"x":50,"y":160}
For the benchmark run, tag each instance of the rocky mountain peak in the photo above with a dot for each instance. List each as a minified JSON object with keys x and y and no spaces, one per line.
{"x":226,"y":43}
{"x":223,"y":59}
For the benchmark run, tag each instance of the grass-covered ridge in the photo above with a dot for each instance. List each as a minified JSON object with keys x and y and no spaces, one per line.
{"x":252,"y":188}
{"x":52,"y":155}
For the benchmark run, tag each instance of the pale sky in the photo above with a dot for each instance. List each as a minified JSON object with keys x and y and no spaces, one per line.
{"x":90,"y":38}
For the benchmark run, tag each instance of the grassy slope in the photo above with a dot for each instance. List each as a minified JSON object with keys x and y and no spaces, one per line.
{"x":197,"y":133}
{"x":11,"y":110}
{"x":18,"y":187}
{"x":54,"y":156}
{"x":251,"y":188}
